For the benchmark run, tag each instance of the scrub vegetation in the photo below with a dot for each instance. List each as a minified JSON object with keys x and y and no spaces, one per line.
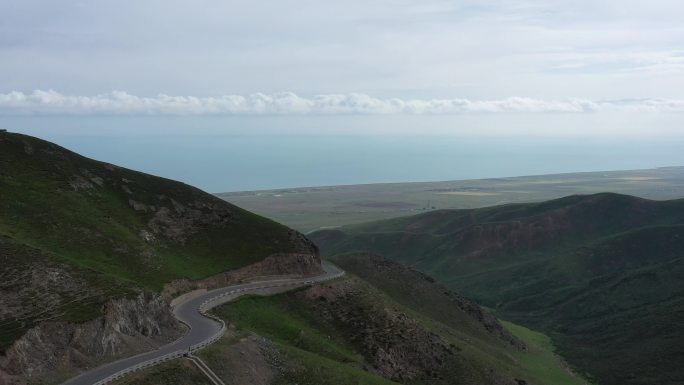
{"x":366,"y":331}
{"x":600,"y":274}
{"x":96,"y":231}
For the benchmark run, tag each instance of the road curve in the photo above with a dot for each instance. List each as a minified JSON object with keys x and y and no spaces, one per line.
{"x":203,"y":329}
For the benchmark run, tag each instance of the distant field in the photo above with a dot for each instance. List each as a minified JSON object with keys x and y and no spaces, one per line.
{"x":311,"y":208}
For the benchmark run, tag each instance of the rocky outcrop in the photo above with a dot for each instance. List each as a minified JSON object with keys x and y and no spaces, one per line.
{"x":394,"y":343}
{"x":422,"y":292}
{"x":251,"y":360}
{"x":128,"y":326}
{"x":302,"y":245}
{"x":177,"y":222}
{"x":397,"y":346}
{"x":281,"y":264}
{"x":34,"y":289}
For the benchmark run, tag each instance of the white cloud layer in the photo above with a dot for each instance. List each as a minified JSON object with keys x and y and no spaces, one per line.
{"x":50,"y":102}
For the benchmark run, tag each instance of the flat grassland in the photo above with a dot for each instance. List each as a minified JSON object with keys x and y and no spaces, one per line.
{"x":312,"y":208}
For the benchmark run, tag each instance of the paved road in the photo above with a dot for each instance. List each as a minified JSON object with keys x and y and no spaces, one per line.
{"x":201,"y":328}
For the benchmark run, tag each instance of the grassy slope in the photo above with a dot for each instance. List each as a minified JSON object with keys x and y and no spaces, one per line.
{"x":315,"y":350}
{"x":76,"y":294}
{"x":541,"y":358}
{"x":96,"y":227}
{"x":171,"y":373}
{"x":82,"y":213}
{"x":329,"y":353}
{"x":424,"y":296}
{"x":599,"y":273}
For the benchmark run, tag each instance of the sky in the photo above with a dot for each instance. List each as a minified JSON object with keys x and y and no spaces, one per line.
{"x":528,"y":69}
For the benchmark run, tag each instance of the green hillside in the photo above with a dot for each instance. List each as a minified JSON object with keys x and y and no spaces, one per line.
{"x":110,"y":228}
{"x":599,"y":273}
{"x":364,"y":329}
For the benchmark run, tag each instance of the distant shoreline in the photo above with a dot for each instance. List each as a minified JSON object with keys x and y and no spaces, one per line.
{"x":329,"y":187}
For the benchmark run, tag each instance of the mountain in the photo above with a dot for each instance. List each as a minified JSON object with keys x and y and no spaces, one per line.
{"x":601,"y":274}
{"x":380,"y":323}
{"x":91,"y":254}
{"x":83,"y":244}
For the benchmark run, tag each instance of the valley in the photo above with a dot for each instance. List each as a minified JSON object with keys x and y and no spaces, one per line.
{"x":381,"y":323}
{"x":600,"y":274}
{"x":341,"y":193}
{"x":94,"y":255}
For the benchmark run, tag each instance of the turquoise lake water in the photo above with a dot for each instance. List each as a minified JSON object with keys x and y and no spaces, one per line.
{"x":220,"y":161}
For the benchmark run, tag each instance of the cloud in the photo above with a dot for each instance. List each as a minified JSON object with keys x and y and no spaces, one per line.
{"x":50,"y":102}
{"x":595,"y":49}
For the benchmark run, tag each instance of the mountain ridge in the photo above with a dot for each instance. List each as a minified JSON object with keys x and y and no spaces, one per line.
{"x":86,"y":245}
{"x":579,"y":268}
{"x":56,"y":192}
{"x":380,"y":323}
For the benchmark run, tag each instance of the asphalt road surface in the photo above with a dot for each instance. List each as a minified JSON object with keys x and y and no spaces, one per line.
{"x":201,"y":328}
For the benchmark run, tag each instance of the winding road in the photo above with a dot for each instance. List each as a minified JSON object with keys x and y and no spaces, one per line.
{"x":203,"y":329}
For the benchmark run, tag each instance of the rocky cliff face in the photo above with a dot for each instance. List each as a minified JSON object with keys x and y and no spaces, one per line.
{"x":128,"y":326}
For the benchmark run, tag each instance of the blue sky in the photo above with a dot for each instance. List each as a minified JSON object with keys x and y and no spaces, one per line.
{"x":464,"y":69}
